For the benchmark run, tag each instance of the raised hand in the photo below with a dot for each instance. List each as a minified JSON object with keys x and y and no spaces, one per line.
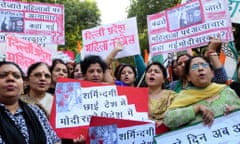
{"x":214,"y":43}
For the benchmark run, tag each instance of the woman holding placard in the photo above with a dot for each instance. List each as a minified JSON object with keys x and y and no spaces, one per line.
{"x":159,"y":98}
{"x":203,"y":99}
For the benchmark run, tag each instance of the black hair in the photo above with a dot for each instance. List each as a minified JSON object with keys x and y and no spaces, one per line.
{"x":161,"y":66}
{"x":185,"y":54}
{"x":163,"y":69}
{"x":55,"y":62}
{"x":34,"y":66}
{"x":92,"y":59}
{"x":117,"y":69}
{"x":12,"y":63}
{"x":75,"y":65}
{"x":174,"y":77}
{"x":187,"y":64}
{"x":121,"y":69}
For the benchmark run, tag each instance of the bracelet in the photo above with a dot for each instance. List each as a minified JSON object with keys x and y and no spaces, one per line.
{"x":211,"y":53}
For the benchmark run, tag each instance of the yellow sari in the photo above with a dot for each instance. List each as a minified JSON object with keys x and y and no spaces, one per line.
{"x":157,"y":108}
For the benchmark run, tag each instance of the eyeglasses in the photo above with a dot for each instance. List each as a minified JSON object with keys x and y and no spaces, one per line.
{"x":39,"y":75}
{"x":196,"y":66}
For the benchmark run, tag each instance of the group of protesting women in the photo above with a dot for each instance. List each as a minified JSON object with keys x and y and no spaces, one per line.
{"x":198,"y":94}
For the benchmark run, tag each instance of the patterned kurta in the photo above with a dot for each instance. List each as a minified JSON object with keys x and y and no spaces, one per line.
{"x":180,"y":116}
{"x":19,"y":121}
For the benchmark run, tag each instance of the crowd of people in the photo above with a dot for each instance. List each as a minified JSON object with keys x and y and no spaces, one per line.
{"x":198,"y":92}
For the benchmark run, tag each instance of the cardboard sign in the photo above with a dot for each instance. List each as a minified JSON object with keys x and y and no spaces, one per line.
{"x":118,"y":131}
{"x":25,"y":53}
{"x":225,"y":129}
{"x":33,"y":21}
{"x":102,"y":39}
{"x":77,"y":101}
{"x":189,"y":26}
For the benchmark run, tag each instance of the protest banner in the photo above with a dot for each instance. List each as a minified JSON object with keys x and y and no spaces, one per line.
{"x":25,"y":53}
{"x":233,"y":7}
{"x":225,"y":129}
{"x":228,"y":54}
{"x":77,"y":101}
{"x":102,"y":39}
{"x":36,"y":22}
{"x":188,"y":26}
{"x":119,"y":131}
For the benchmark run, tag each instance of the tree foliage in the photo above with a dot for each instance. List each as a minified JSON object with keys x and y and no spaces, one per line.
{"x":79,"y":16}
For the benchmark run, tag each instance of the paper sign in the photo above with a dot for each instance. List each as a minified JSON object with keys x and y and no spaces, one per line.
{"x":188,"y":26}
{"x":77,"y":101}
{"x":25,"y":53}
{"x":102,"y":39}
{"x":127,"y":131}
{"x":36,"y":22}
{"x":224,"y":130}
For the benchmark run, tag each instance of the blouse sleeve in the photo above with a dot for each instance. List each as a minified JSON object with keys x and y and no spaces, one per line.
{"x":141,"y":67}
{"x":220,"y":75}
{"x":178,"y":117}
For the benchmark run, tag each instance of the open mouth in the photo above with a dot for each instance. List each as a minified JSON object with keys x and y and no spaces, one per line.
{"x":202,"y":76}
{"x":151,"y":79}
{"x":126,"y":79}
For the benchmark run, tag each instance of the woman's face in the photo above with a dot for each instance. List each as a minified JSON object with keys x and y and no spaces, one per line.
{"x":11,"y":84}
{"x":154,"y":76}
{"x":181,"y":65}
{"x":127,"y":76}
{"x":94,"y":73}
{"x":40,"y":79}
{"x":60,"y":70}
{"x":70,"y":68}
{"x":77,"y":74}
{"x":200,"y":74}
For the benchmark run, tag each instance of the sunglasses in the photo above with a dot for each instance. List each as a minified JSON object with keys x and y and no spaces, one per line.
{"x":196,"y":66}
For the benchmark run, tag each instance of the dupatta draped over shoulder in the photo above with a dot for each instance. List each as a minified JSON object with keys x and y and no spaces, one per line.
{"x":193,"y":95}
